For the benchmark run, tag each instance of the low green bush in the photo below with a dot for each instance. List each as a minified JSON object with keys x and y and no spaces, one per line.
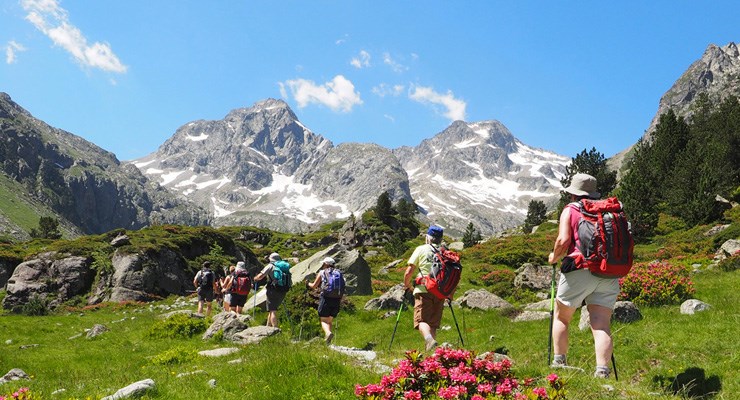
{"x":500,"y":281}
{"x":656,"y":283}
{"x":178,"y":326}
{"x":36,"y":305}
{"x":730,"y":264}
{"x":177,"y":355}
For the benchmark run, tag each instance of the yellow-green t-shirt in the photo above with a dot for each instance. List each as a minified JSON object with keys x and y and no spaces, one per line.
{"x":422,"y":258}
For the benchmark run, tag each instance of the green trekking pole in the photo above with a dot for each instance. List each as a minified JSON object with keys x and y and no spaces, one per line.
{"x":552,"y":313}
{"x":398,"y":318}
{"x":449,"y":303}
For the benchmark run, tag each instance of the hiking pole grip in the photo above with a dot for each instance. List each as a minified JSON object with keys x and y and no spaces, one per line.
{"x":552,"y":313}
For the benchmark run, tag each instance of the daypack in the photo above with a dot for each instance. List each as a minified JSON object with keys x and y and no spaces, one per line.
{"x":205,"y":282}
{"x":603,"y":237}
{"x":444,"y":275}
{"x":332,"y":284}
{"x":281,"y":277}
{"x":241,"y":283}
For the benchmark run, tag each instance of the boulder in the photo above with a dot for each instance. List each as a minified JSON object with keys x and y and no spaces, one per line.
{"x":228,"y":322}
{"x":96,"y":330}
{"x":14,"y":374}
{"x":51,"y":277}
{"x":534,"y":277}
{"x":355,"y":269}
{"x":728,"y":249}
{"x":390,"y":300}
{"x":136,"y":389}
{"x":624,"y":311}
{"x":254,"y":334}
{"x":482,"y":299}
{"x":693,"y":306}
{"x":532,"y":316}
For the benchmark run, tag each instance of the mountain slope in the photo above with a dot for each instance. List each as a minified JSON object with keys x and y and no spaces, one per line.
{"x":83,"y":184}
{"x":716,"y":73}
{"x":479,"y":172}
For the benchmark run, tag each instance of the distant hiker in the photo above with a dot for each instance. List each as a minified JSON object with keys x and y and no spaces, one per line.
{"x":279,"y":280}
{"x":238,"y":284}
{"x":332,"y":283}
{"x":427,"y":307}
{"x":226,"y":288}
{"x":205,"y":286}
{"x":578,"y":285}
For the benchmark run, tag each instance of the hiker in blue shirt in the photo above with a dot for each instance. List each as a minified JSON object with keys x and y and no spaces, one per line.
{"x":331,"y":295}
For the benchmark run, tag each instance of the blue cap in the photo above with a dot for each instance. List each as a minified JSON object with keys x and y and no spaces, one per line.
{"x":435,"y":231}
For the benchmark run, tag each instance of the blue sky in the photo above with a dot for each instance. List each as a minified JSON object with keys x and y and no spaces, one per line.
{"x":562,"y":76}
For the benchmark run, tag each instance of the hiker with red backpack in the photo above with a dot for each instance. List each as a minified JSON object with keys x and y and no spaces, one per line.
{"x":428,"y":306}
{"x":238,"y":285}
{"x":595,"y":244}
{"x":331,"y":281}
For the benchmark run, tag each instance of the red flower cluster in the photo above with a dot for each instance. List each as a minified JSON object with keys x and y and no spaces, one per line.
{"x":656,"y":283}
{"x":456,"y":374}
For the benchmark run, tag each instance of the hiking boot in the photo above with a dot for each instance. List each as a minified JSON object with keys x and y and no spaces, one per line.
{"x":329,"y":337}
{"x":431,"y":344}
{"x":558,"y":362}
{"x":602,"y":373}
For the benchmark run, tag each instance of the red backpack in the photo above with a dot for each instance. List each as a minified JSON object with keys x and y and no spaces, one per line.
{"x":242,"y":284}
{"x":444,"y":275}
{"x":603,"y":238}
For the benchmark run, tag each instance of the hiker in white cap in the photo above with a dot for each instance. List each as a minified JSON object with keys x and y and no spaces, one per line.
{"x":332,"y":283}
{"x":578,"y":285}
{"x":277,"y":274}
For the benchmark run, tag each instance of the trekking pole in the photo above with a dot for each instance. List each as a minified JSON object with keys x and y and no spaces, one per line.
{"x":254,"y":303}
{"x":449,"y":303}
{"x":398,"y":318}
{"x":614,"y":366}
{"x":552,"y":313}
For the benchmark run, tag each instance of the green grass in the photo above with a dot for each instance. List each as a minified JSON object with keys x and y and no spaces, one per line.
{"x":656,"y":349}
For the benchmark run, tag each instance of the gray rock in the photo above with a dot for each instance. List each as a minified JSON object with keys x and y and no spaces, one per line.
{"x":716,"y":229}
{"x":14,"y":374}
{"x":120,"y":240}
{"x":693,"y":306}
{"x":456,"y":246}
{"x":482,"y":299}
{"x":96,"y":330}
{"x":229,"y":323}
{"x":136,"y":389}
{"x":624,"y":311}
{"x":220,"y":352}
{"x":540,"y":305}
{"x":535,"y":278}
{"x":390,"y":300}
{"x":532,"y":316}
{"x":254,"y":334}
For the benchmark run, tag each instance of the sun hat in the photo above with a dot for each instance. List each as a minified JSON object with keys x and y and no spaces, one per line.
{"x":275,"y":257}
{"x":240,"y":265}
{"x":435,"y":231}
{"x":583,"y":185}
{"x":330,"y":261}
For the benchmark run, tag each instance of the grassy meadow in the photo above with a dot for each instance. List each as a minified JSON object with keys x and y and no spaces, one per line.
{"x":666,"y":355}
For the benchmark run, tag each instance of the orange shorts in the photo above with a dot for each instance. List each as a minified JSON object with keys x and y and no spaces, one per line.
{"x":428,"y":308}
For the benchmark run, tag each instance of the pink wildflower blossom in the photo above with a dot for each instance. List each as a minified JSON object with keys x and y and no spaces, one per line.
{"x":540,"y":392}
{"x":552,"y":378}
{"x":412,"y":395}
{"x":452,"y":392}
{"x":485,"y":388}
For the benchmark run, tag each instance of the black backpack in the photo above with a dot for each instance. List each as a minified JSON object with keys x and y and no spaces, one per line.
{"x":205,"y":282}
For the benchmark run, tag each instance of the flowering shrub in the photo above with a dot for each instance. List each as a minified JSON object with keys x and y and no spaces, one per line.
{"x":21,"y":394}
{"x":656,"y":283}
{"x":501,"y":281}
{"x":456,"y":374}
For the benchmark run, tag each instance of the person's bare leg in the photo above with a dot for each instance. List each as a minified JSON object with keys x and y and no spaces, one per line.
{"x":561,"y":320}
{"x":600,"y":327}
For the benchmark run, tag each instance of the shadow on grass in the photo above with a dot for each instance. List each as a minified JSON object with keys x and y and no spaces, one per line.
{"x":691,"y":383}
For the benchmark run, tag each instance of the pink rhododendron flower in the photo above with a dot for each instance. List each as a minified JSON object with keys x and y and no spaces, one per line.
{"x":477,"y":397}
{"x":412,"y":395}
{"x":540,"y":392}
{"x":485,"y":388}
{"x":452,"y":392}
{"x":552,"y":378}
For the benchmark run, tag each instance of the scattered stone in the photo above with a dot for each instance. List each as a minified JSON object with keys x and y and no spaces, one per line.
{"x":120,"y":240}
{"x":482,"y":299}
{"x":97,"y":330}
{"x":716,"y":229}
{"x":58,"y":391}
{"x":212,"y":383}
{"x":229,"y":323}
{"x":387,"y":268}
{"x":136,"y":389}
{"x":390,"y":300}
{"x":254,"y":334}
{"x":365,"y":355}
{"x":184,"y":374}
{"x":532,"y":277}
{"x":538,"y":306}
{"x":9,"y":341}
{"x":28,"y":346}
{"x":75,"y":336}
{"x":224,"y":351}
{"x":456,"y":246}
{"x":693,"y":306}
{"x":237,"y":361}
{"x":626,"y":312}
{"x":14,"y":374}
{"x":532,"y":316}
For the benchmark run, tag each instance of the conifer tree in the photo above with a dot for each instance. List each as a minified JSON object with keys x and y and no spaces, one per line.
{"x":383,"y":207}
{"x":48,"y":229}
{"x":536,"y":214}
{"x":471,"y":237}
{"x":593,"y":163}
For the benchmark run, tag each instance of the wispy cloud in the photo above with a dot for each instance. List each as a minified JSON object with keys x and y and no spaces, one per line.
{"x":395,"y":65}
{"x":362,"y":60}
{"x":342,"y":40}
{"x":453,"y":108}
{"x":51,"y":19}
{"x":10,"y":51}
{"x":389,"y":117}
{"x":339,"y":94}
{"x":384,"y":89}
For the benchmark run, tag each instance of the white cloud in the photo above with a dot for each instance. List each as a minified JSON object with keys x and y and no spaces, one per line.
{"x":455,"y":108}
{"x":383,"y":90}
{"x":342,"y":40}
{"x":395,"y":66}
{"x":51,"y":19}
{"x":362,"y":60}
{"x":389,"y":117}
{"x":10,"y":51}
{"x":339,"y":94}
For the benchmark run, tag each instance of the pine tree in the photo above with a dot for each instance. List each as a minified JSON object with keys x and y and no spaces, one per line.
{"x":536,"y":214}
{"x":471,"y":237}
{"x":638,"y":193}
{"x":48,"y":229}
{"x":383,"y":207}
{"x":593,"y":163}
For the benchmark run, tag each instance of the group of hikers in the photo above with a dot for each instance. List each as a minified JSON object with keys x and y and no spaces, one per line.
{"x":234,"y":287}
{"x":579,"y":283}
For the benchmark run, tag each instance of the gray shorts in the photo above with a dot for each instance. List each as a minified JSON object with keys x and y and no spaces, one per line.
{"x":227,"y":298}
{"x":578,"y":286}
{"x":274,"y":299}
